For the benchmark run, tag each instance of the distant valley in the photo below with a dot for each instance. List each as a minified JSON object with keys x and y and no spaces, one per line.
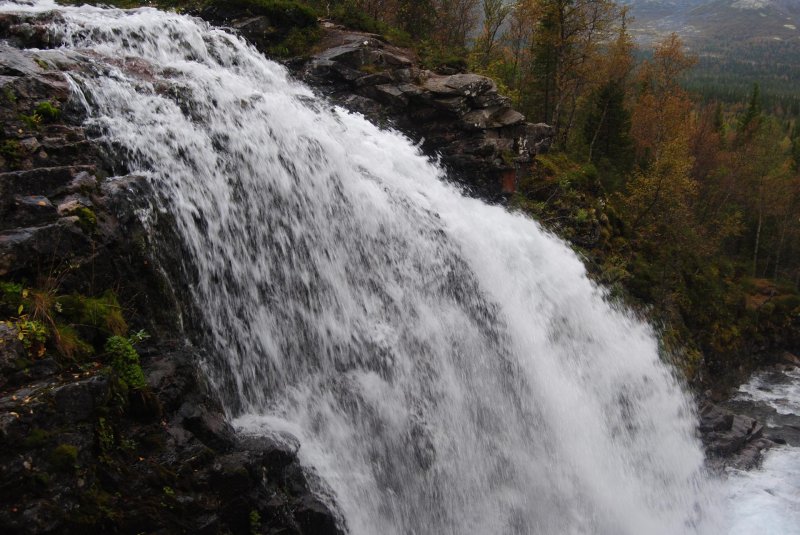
{"x":738,"y":43}
{"x":701,"y":21}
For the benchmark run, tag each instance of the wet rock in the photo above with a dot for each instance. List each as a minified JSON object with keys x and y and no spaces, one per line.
{"x":314,"y":517}
{"x":79,"y":400}
{"x":495,"y":117}
{"x":731,"y":439}
{"x":211,"y":428}
{"x":31,"y":210}
{"x":35,"y":371}
{"x":230,"y":474}
{"x":46,"y":181}
{"x":387,"y":94}
{"x":77,"y":449}
{"x":276,"y":451}
{"x":28,"y":246}
{"x":790,"y":358}
{"x":457,"y":106}
{"x":73,"y":204}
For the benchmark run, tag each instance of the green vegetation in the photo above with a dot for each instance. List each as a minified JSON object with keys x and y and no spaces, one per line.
{"x":64,"y":457}
{"x":12,"y":152}
{"x":254,"y":518}
{"x":48,"y":111}
{"x":73,"y":328}
{"x":37,"y":438}
{"x":125,"y":362}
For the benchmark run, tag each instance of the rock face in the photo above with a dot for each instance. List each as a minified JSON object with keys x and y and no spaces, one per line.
{"x":459,"y":117}
{"x":79,"y":451}
{"x":731,"y":439}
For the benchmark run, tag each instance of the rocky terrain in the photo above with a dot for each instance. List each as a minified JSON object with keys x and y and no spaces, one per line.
{"x":460,"y":116}
{"x":84,"y":445}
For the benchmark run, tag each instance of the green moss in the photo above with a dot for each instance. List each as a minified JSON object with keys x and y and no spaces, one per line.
{"x":10,"y":297}
{"x":48,"y":111}
{"x":12,"y":152}
{"x":33,"y":121}
{"x":87,"y":219}
{"x":64,"y":457}
{"x":125,"y":362}
{"x":105,"y":436}
{"x":42,"y":479}
{"x":33,"y":335}
{"x":9,"y":95}
{"x":103,"y":313}
{"x":36,"y":438}
{"x":254,"y":519}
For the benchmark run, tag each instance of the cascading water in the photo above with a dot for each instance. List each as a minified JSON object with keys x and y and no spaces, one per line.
{"x":446,"y":365}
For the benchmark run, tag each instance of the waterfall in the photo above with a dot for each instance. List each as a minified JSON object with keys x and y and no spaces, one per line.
{"x":447,"y":365}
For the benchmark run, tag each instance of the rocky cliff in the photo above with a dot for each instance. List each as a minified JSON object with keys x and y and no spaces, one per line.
{"x":485,"y":143}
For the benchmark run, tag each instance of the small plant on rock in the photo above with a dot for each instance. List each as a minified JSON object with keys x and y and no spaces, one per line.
{"x":125,"y":362}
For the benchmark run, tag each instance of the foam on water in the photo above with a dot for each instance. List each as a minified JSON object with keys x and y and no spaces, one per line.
{"x":767,"y":500}
{"x":783,"y":397}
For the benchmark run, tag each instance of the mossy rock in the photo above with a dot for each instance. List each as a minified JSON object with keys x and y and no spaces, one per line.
{"x":64,"y":457}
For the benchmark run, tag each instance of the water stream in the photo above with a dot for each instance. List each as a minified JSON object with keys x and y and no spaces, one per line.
{"x":767,"y":500}
{"x":447,"y":365}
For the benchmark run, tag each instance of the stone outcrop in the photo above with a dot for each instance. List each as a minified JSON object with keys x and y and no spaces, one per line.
{"x":79,"y":450}
{"x":731,"y":439}
{"x":459,"y":117}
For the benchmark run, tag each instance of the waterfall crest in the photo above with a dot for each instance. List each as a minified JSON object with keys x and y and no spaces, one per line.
{"x":447,"y":365}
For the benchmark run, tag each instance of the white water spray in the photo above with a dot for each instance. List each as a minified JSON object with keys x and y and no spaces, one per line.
{"x":446,"y":365}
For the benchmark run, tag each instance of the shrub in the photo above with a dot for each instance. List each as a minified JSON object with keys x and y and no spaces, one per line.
{"x":125,"y":362}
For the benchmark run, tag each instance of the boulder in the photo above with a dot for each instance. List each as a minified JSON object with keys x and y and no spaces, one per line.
{"x":496,"y":117}
{"x":733,"y":438}
{"x":465,"y":85}
{"x":314,"y":517}
{"x":790,"y":359}
{"x":79,"y":401}
{"x":209,"y":427}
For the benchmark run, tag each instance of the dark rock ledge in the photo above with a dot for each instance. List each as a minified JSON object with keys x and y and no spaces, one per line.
{"x":460,"y":117}
{"x":79,"y":452}
{"x":730,"y":439}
